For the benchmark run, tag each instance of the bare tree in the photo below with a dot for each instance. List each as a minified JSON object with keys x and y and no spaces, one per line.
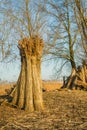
{"x":28,"y":25}
{"x":81,"y":17}
{"x":65,"y":38}
{"x":64,"y":32}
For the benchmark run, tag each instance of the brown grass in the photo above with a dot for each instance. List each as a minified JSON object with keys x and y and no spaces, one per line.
{"x":52,"y":85}
{"x":4,"y":87}
{"x":47,"y":85}
{"x":64,"y":110}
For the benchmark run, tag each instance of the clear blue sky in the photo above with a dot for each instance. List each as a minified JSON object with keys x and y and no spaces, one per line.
{"x":10,"y":71}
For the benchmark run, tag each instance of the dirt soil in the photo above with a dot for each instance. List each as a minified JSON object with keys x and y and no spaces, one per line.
{"x":64,"y":110}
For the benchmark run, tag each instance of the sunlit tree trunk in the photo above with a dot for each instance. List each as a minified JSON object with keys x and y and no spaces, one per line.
{"x":28,"y":91}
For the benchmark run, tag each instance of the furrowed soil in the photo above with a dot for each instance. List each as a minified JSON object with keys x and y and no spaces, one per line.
{"x":64,"y":110}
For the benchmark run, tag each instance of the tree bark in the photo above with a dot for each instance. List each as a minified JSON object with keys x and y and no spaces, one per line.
{"x":28,"y":91}
{"x":28,"y":88}
{"x":71,"y":79}
{"x":37,"y":87}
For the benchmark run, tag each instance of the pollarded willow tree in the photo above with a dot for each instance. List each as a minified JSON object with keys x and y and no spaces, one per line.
{"x":28,"y":92}
{"x":28,"y":23}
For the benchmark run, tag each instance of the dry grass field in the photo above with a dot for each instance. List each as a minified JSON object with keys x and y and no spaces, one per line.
{"x":52,"y":85}
{"x":64,"y":110}
{"x":47,"y":85}
{"x":4,"y":87}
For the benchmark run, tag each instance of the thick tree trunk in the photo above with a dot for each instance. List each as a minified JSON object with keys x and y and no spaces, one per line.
{"x":28,"y":91}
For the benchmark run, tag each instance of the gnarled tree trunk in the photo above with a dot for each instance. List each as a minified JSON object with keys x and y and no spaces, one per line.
{"x":77,"y":79}
{"x":28,"y":91}
{"x":71,"y":80}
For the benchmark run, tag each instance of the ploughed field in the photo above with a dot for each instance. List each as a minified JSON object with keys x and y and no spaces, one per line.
{"x":64,"y":110}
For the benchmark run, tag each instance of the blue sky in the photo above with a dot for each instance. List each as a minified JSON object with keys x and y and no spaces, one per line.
{"x":10,"y":71}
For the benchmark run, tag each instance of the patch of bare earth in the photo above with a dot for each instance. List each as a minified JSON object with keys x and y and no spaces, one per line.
{"x":64,"y":110}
